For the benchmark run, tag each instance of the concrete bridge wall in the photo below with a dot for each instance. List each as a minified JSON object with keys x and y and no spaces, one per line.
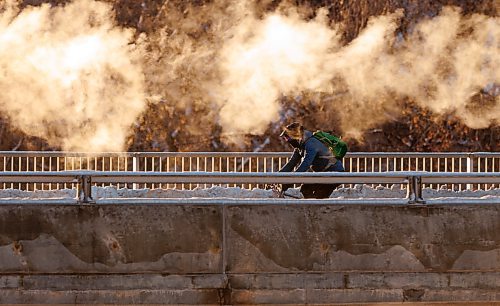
{"x":220,"y":253}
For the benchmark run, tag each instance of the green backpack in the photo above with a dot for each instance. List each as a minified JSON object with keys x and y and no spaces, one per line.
{"x":336,"y":145}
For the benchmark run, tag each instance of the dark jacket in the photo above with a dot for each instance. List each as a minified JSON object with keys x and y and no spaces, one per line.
{"x":314,"y":155}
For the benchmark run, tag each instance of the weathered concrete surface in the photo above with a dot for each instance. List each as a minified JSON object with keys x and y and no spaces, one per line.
{"x":248,"y":254}
{"x":111,"y":238}
{"x":363,"y":237}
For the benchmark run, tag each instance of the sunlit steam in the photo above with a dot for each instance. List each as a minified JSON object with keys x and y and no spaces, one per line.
{"x":265,"y":59}
{"x":68,"y":75}
{"x":440,"y":64}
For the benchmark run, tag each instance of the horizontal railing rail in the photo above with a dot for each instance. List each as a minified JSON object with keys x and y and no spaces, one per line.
{"x":85,"y":179}
{"x":368,"y":155}
{"x":204,"y":177}
{"x":239,"y":154}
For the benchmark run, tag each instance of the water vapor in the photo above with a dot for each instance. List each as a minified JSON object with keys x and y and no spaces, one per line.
{"x":265,"y":59}
{"x":69,"y":74}
{"x":250,"y":59}
{"x":441,"y":65}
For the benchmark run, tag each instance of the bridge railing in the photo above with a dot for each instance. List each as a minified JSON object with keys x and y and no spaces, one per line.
{"x":413,"y":180}
{"x":242,"y":162}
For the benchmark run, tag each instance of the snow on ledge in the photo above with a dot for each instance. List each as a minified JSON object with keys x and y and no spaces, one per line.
{"x":359,"y":192}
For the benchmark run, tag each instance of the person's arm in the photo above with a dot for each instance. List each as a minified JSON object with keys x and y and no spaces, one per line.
{"x":310,"y":153}
{"x":292,"y":162}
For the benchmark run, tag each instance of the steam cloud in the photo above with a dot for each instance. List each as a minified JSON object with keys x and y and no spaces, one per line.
{"x":69,"y":75}
{"x":440,"y":64}
{"x":262,"y":60}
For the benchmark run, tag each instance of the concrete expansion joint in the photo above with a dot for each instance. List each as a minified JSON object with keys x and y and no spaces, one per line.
{"x":21,"y":282}
{"x":86,"y":202}
{"x":225,"y":292}
{"x":346,"y":281}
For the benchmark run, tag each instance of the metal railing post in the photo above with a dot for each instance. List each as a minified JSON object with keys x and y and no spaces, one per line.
{"x":85,"y":189}
{"x":470,"y":166}
{"x":135,"y":164}
{"x":418,"y":189}
{"x":410,"y":190}
{"x":414,"y":193}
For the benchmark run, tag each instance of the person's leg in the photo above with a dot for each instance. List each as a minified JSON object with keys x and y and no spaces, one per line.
{"x":324,"y":191}
{"x":327,"y":190}
{"x":317,"y":191}
{"x":284,"y":187}
{"x":308,"y":190}
{"x":321,"y":191}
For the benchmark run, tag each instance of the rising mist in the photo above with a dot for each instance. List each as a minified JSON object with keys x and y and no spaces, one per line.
{"x":71,"y":75}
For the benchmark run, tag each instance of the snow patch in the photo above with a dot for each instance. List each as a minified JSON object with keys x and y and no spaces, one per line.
{"x":359,"y":191}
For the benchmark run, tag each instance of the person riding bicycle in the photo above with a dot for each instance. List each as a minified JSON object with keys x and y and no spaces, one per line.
{"x":309,"y":154}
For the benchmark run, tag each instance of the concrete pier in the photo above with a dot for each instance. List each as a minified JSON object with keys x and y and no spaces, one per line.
{"x":223,"y":252}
